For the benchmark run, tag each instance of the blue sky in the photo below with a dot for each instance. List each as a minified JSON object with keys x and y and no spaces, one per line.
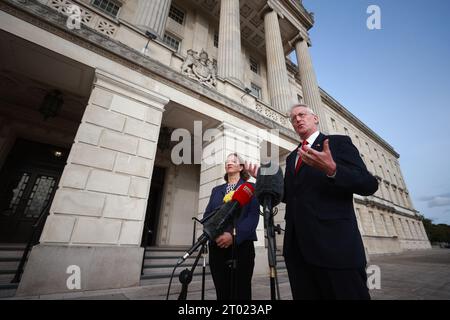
{"x":396,"y":80}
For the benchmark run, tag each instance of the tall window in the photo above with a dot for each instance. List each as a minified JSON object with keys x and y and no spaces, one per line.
{"x":382,"y":172}
{"x":383,"y":222}
{"x":346,"y":132}
{"x":172,"y":41}
{"x":176,"y":14}
{"x":256,"y":91}
{"x":372,"y":164}
{"x":359,"y":221}
{"x":394,"y":227}
{"x":254,"y":66}
{"x":376,"y":152}
{"x":372,"y":218}
{"x":109,"y":7}
{"x":357,"y":139}
{"x":333,"y":124}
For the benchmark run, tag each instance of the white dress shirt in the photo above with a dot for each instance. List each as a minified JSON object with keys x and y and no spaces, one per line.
{"x":309,"y":142}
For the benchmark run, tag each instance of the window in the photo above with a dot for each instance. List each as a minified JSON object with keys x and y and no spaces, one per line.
{"x":357,"y":139}
{"x":254,"y":66}
{"x":383,"y":221}
{"x":108,"y":6}
{"x":346,"y":131}
{"x":172,"y":41}
{"x":333,"y":123}
{"x":372,"y":220}
{"x":368,"y":148}
{"x":394,"y":227}
{"x":382,"y":172}
{"x":359,"y":221}
{"x":396,"y":180}
{"x":256,"y":91}
{"x":176,"y":14}
{"x":402,"y":228}
{"x":216,"y":40}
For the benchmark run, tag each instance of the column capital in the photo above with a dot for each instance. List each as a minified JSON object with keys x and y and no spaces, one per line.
{"x":268,"y":8}
{"x":301,"y":36}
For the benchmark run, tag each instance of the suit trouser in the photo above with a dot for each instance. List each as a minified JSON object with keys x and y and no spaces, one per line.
{"x":219,"y":262}
{"x":309,"y":282}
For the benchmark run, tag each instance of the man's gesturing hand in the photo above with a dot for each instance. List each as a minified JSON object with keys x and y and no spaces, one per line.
{"x":251,"y":168}
{"x":319,"y":160}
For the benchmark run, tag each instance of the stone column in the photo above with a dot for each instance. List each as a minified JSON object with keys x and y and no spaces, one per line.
{"x":229,"y":58}
{"x":277,"y":76}
{"x":311,"y":93}
{"x":152,"y":15}
{"x":97,"y":216}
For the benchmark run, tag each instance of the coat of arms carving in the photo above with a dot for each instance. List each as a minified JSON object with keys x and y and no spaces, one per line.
{"x":200,"y":68}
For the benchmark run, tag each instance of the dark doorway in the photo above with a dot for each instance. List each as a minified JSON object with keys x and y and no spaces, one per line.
{"x":153,"y":207}
{"x":28,"y":181}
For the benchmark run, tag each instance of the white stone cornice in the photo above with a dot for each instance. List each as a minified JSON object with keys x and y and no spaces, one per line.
{"x":384,"y":204}
{"x":116,"y":84}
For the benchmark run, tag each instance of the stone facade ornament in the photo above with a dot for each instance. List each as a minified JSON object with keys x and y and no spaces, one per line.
{"x":200,"y":68}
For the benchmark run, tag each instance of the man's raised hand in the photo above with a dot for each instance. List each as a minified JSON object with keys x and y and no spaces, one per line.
{"x":322,"y":160}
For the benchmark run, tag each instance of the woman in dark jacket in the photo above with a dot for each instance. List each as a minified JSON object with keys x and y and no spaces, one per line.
{"x":221,"y":249}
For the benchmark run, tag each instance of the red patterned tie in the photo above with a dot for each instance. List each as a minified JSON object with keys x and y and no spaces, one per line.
{"x":299,"y":161}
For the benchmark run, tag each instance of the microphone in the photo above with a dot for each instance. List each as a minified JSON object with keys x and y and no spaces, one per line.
{"x":216,"y":225}
{"x":269,"y":185}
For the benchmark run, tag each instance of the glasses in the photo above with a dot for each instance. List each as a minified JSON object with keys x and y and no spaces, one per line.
{"x":300,"y":115}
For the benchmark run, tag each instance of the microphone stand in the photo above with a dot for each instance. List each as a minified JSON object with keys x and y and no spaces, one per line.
{"x":233,"y":262}
{"x":271,"y":254}
{"x":204,"y":253}
{"x":186,"y":275}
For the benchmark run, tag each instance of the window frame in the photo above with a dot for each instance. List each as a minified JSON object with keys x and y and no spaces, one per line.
{"x":119,"y":4}
{"x":173,"y":10}
{"x":254,"y":87}
{"x":175,"y":38}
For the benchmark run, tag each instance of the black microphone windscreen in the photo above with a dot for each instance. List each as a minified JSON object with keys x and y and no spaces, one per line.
{"x":215,"y":226}
{"x":269,"y":182}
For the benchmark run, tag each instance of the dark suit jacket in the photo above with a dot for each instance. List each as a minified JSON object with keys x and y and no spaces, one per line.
{"x":319,"y":210}
{"x":248,"y":219}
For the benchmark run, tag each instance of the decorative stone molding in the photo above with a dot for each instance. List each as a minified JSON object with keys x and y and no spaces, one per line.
{"x":272,"y":115}
{"x":200,"y":68}
{"x":88,"y":18}
{"x":54,"y":22}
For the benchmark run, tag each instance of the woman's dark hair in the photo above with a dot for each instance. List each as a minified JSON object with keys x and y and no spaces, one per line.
{"x":243,"y":173}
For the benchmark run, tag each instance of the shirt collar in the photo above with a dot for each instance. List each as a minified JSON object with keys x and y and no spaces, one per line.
{"x":313,"y":138}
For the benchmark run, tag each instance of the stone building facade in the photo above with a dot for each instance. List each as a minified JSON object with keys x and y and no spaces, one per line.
{"x":99,"y":87}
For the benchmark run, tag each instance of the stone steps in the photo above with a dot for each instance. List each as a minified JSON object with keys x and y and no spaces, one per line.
{"x":10,"y":255}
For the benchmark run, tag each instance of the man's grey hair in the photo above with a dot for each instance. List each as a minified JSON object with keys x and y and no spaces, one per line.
{"x":311,"y":111}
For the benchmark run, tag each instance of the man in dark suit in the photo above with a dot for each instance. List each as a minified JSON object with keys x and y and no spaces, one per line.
{"x":323,"y":249}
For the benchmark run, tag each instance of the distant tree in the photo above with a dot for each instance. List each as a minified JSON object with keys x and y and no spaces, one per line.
{"x":436,"y":232}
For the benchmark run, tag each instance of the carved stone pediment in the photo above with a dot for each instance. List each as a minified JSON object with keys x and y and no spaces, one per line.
{"x":200,"y":68}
